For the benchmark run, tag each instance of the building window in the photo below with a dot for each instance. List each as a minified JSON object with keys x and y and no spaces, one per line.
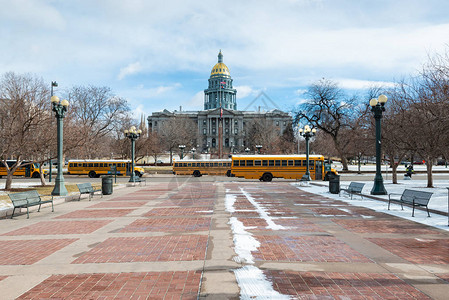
{"x":204,"y":131}
{"x":236,"y":131}
{"x":204,"y":122}
{"x":277,"y":123}
{"x":227,"y":130}
{"x":155,"y":123}
{"x":213,"y":130}
{"x":285,"y":123}
{"x":236,"y":122}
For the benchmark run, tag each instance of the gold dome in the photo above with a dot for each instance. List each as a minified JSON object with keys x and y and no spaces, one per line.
{"x":220,"y":69}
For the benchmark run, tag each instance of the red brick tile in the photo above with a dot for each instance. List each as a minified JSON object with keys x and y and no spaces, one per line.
{"x":168,"y":285}
{"x":168,"y":224}
{"x":179,"y":211}
{"x":418,"y":251}
{"x":385,"y":226}
{"x":27,"y":252}
{"x":306,"y":248}
{"x":60,"y":227}
{"x":96,"y":213}
{"x":142,"y":249}
{"x":111,"y":204}
{"x":325,"y":285}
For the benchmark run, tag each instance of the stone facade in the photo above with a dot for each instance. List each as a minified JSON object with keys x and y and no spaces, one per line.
{"x":220,"y":95}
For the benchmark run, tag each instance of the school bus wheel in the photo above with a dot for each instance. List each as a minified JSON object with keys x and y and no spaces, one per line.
{"x":92,"y":174}
{"x":267,"y":177}
{"x":35,"y":175}
{"x":196,"y":173}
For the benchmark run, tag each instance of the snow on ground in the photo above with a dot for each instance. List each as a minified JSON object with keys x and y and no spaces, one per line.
{"x":439,"y":200}
{"x":254,"y":285}
{"x":251,"y":280}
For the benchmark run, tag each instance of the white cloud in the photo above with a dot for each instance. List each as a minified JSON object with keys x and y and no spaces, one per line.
{"x":245,"y":91}
{"x":197,"y":101}
{"x":130,"y":69}
{"x":356,"y":84}
{"x":300,"y":92}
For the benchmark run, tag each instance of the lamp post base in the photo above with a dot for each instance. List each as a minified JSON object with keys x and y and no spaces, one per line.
{"x":306,"y":177}
{"x":59,"y":189}
{"x":134,"y":179}
{"x":378,"y":187}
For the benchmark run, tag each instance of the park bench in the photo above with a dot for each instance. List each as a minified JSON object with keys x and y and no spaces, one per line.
{"x":87,"y":188}
{"x":413,"y":198}
{"x":354,"y":188}
{"x":28,"y":199}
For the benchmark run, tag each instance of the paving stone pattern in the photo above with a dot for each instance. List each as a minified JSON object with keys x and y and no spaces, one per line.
{"x":325,"y":285}
{"x":150,"y":285}
{"x":417,"y":250}
{"x":60,"y":227}
{"x":168,"y":224}
{"x":172,"y":240}
{"x":27,"y":252}
{"x":97,"y":213}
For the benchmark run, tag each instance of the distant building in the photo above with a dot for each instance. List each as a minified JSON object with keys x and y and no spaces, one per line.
{"x":220,"y":99}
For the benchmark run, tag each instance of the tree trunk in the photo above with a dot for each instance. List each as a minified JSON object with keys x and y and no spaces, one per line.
{"x":429,"y":166}
{"x":394,"y":172}
{"x":43,"y":183}
{"x":343,"y":158}
{"x":8,"y":182}
{"x":171,"y":157}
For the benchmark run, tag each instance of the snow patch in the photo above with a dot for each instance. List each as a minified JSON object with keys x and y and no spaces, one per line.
{"x":244,"y":242}
{"x":255,"y":285}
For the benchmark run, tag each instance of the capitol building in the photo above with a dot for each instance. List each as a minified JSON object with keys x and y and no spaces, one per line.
{"x":220,"y":103}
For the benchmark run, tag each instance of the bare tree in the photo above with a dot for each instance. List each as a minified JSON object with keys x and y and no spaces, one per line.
{"x":96,"y":113}
{"x":329,"y":110}
{"x":25,"y":116}
{"x":175,"y":131}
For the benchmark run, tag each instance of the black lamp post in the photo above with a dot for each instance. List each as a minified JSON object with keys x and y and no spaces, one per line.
{"x":53,"y":84}
{"x":193,"y":152}
{"x":377,"y":107}
{"x":247,"y":150}
{"x":182,"y":147}
{"x":258,"y":147}
{"x":60,"y":108}
{"x":133,"y":135}
{"x":307,"y":133}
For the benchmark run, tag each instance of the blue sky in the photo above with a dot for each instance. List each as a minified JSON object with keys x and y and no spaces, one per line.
{"x":159,"y":54}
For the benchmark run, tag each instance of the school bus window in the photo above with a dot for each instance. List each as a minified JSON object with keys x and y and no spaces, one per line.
{"x":257,"y":162}
{"x":228,"y":164}
{"x":242,"y":163}
{"x":236,"y":163}
{"x":216,"y":164}
{"x":176,"y":164}
{"x":189,"y":164}
{"x":271,"y":163}
{"x":290,"y":162}
{"x":284,"y":163}
{"x":249,"y":163}
{"x":265,"y":163}
{"x":207,"y":164}
{"x":202,"y":164}
{"x":277,"y":163}
{"x":297,"y":163}
{"x":304,"y":163}
{"x":85,"y":165}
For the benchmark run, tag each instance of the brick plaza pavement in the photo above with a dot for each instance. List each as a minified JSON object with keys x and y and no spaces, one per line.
{"x":179,"y":238}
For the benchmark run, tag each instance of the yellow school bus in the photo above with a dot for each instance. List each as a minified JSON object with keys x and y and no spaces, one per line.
{"x":198,"y":168}
{"x":267,"y":167}
{"x":95,"y":168}
{"x":28,"y":170}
